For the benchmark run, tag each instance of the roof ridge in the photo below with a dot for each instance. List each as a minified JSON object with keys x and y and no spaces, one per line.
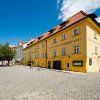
{"x":77,"y":13}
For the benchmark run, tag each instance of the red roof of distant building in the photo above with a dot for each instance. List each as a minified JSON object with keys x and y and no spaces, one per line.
{"x":21,"y":43}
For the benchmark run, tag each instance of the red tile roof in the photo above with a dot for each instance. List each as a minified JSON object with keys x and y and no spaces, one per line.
{"x":21,"y":42}
{"x":70,"y":21}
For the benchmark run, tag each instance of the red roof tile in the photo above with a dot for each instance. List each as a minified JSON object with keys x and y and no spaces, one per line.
{"x":75,"y":18}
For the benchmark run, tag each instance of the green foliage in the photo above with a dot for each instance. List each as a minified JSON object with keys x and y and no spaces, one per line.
{"x":6,"y":52}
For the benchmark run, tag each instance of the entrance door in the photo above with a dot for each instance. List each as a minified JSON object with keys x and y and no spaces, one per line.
{"x":57,"y":65}
{"x":49,"y":64}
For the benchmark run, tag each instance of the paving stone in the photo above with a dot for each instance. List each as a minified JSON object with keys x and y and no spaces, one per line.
{"x":23,"y":83}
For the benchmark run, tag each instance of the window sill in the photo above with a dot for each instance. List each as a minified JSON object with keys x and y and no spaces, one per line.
{"x":63,"y":39}
{"x":64,"y":55}
{"x":54,"y":43}
{"x":75,"y":35}
{"x":76,"y":53}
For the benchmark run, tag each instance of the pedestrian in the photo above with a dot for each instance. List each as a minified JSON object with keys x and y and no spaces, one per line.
{"x":38,"y":67}
{"x":30,"y":65}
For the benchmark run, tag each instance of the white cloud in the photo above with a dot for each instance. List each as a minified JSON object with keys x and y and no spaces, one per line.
{"x":98,"y":19}
{"x":71,"y":7}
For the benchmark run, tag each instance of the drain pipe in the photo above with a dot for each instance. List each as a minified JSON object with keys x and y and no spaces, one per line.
{"x":46,"y":52}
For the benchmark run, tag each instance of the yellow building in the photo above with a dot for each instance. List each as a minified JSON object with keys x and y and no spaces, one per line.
{"x":72,"y":45}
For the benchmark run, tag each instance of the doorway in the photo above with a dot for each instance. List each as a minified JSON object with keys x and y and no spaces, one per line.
{"x":49,"y":64}
{"x":57,"y":65}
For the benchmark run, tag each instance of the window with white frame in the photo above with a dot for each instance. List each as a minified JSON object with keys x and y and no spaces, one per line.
{"x":43,"y":44}
{"x":63,"y":25}
{"x":76,"y":49}
{"x":67,"y":64}
{"x":63,"y":36}
{"x":54,"y":40}
{"x":35,"y":47}
{"x":54,"y":53}
{"x":95,"y":35}
{"x":75,"y":31}
{"x":90,"y":61}
{"x":35,"y":55}
{"x":43,"y":55}
{"x":96,"y":50}
{"x":63,"y":51}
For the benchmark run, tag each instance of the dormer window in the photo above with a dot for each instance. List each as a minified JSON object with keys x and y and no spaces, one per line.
{"x":63,"y":25}
{"x":39,"y":37}
{"x":51,"y":31}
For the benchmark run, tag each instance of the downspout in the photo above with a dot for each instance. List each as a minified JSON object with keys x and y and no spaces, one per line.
{"x":46,"y":53}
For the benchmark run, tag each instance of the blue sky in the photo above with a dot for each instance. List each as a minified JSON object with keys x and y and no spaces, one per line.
{"x":26,"y":19}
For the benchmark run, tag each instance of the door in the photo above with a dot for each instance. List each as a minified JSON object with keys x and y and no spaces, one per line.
{"x":57,"y":65}
{"x":49,"y":64}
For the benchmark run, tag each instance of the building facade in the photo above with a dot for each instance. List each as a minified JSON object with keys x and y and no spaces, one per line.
{"x":72,"y":45}
{"x":19,"y":51}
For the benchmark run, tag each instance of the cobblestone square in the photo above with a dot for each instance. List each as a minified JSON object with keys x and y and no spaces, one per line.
{"x":23,"y":83}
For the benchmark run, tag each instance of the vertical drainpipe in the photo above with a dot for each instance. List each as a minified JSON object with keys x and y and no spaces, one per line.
{"x":46,"y":53}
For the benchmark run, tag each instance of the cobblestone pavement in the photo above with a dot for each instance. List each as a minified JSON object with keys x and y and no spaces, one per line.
{"x":22,"y":83}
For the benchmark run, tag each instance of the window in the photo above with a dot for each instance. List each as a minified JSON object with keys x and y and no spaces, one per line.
{"x":37,"y":55}
{"x":43,"y":45}
{"x":51,"y":31}
{"x":96,"y":50}
{"x":90,"y":61}
{"x":54,"y":53}
{"x":63,"y":25}
{"x":78,"y":63}
{"x":63,"y":37}
{"x":75,"y":31}
{"x":43,"y":55}
{"x":37,"y":47}
{"x":63,"y":51}
{"x":76,"y":49}
{"x":67,"y":65}
{"x":95,"y":35}
{"x":54,"y":40}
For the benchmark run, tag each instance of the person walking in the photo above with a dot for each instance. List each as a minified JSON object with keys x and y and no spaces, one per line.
{"x":38,"y":66}
{"x":30,"y":65}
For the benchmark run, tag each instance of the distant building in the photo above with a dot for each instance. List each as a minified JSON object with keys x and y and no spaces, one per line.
{"x":72,"y":45}
{"x":19,"y":50}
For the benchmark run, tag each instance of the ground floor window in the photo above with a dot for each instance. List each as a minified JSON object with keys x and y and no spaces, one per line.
{"x":90,"y":61}
{"x":67,"y":65}
{"x":78,"y":63}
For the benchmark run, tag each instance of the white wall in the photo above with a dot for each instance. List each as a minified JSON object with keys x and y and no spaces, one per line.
{"x":91,"y":44}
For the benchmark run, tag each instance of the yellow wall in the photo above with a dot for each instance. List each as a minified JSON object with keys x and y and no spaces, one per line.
{"x":35,"y":50}
{"x":81,"y":39}
{"x":68,"y":43}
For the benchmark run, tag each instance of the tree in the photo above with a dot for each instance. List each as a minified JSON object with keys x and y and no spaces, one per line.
{"x":6,"y":52}
{"x":1,"y":53}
